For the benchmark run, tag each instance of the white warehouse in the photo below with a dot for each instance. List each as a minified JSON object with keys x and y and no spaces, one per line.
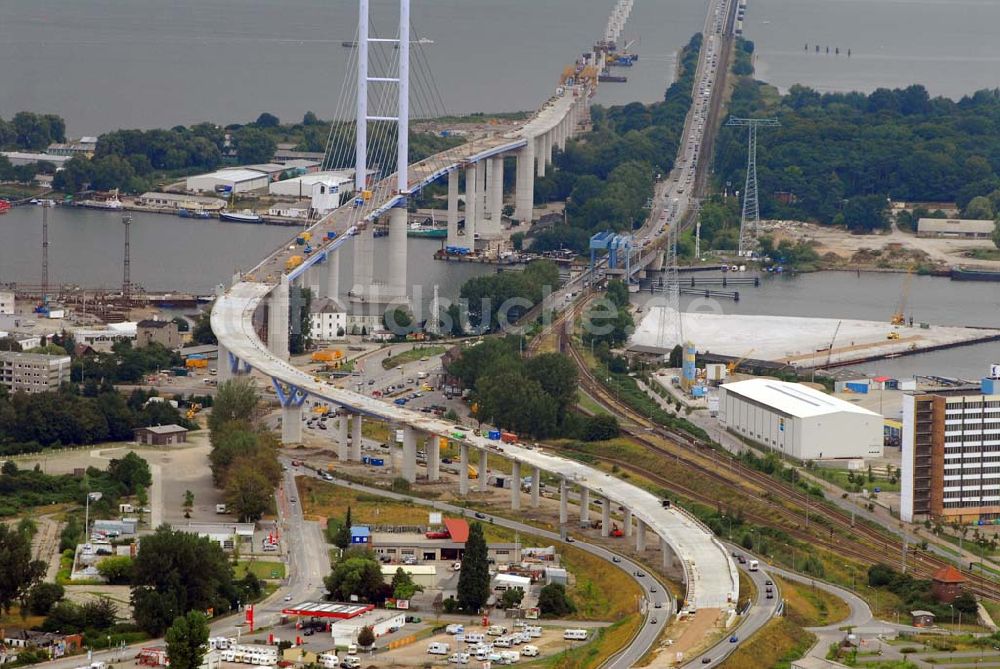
{"x":234,"y":179}
{"x":799,"y":421}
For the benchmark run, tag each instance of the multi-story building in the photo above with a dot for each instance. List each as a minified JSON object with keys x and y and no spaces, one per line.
{"x":33,"y":372}
{"x":327,"y":320}
{"x":951,"y":453}
{"x":6,"y":302}
{"x":164,"y":333}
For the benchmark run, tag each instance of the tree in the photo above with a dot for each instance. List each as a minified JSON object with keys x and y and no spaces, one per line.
{"x":187,"y":640}
{"x":235,"y":401}
{"x":131,"y":471}
{"x":267,"y":120}
{"x":553,"y":602}
{"x":253,"y":145}
{"x":357,"y":573}
{"x":398,"y":321}
{"x":403,"y":586}
{"x":474,"y":579}
{"x":165,"y":584}
{"x":18,"y":572}
{"x":248,"y":491}
{"x":202,"y":333}
{"x":979,"y":208}
{"x":342,"y":537}
{"x":601,"y":427}
{"x":676,"y":356}
{"x":996,"y":234}
{"x":866,"y":213}
{"x":511,"y":598}
{"x":366,"y":637}
{"x":117,"y":570}
{"x":28,"y":527}
{"x":42,"y":597}
{"x":965,"y":603}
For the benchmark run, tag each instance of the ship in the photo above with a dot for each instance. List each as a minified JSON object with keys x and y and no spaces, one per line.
{"x":973,"y":274}
{"x":110,"y":202}
{"x":243,"y":216}
{"x":184,"y":212}
{"x":426,"y":231}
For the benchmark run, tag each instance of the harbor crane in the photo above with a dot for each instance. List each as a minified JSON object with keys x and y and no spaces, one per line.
{"x":899,"y":316}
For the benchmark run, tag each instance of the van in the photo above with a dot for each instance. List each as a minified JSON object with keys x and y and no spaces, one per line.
{"x":352,"y":649}
{"x":534,"y":632}
{"x":502,"y":642}
{"x":496,"y":630}
{"x":483,"y":652}
{"x":475,"y":637}
{"x":220,"y":508}
{"x":454,"y":628}
{"x":509,"y":657}
{"x":530,"y":651}
{"x":328,"y":660}
{"x":575,"y":635}
{"x":438,"y":648}
{"x":421,"y":375}
{"x":351,"y":662}
{"x":459,"y":658}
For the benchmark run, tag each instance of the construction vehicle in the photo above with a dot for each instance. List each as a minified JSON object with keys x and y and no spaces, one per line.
{"x":734,"y":365}
{"x":292,"y":263}
{"x":473,"y":472}
{"x":193,"y":411}
{"x":899,"y":316}
{"x":616,"y":531}
{"x":893,"y":335}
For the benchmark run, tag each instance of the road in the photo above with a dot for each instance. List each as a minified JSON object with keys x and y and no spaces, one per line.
{"x":657,"y":605}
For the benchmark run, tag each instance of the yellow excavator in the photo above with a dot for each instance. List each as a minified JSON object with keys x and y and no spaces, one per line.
{"x":734,"y":365}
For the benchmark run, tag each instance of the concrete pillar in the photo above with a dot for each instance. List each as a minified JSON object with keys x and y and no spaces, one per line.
{"x":563,"y":502}
{"x":291,"y":424}
{"x":356,"y":439}
{"x":665,"y":554}
{"x":223,"y":371}
{"x":364,"y":260}
{"x":536,"y":485}
{"x":453,"y":208}
{"x":333,"y":275}
{"x":481,"y":225}
{"x":548,"y":147}
{"x":628,"y":523}
{"x":470,"y":205}
{"x":277,"y":320}
{"x":584,"y":505}
{"x":605,"y":517}
{"x":515,"y":486}
{"x":640,"y":536}
{"x":483,"y":465}
{"x":463,"y":469}
{"x":496,"y":194}
{"x":409,"y":454}
{"x":524,"y":187}
{"x":434,"y":458}
{"x":540,"y":154}
{"x":343,"y":446}
{"x":397,"y":252}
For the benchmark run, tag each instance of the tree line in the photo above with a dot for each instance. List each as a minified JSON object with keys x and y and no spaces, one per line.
{"x":490,"y":302}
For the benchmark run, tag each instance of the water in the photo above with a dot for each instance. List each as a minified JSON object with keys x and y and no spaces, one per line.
{"x":107,"y":64}
{"x":875,"y":296}
{"x":949,"y":46}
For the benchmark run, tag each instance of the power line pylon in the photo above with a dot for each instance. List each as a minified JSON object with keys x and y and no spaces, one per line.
{"x":750,"y":218}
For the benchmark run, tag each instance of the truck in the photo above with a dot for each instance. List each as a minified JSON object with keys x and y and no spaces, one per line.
{"x":292,"y":263}
{"x":753,"y":565}
{"x":508,"y":437}
{"x":220,"y":508}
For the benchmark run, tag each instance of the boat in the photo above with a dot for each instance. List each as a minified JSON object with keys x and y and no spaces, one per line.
{"x":426,"y":231}
{"x":111,"y":202}
{"x":184,"y":212}
{"x":242,"y":216}
{"x":972,"y":274}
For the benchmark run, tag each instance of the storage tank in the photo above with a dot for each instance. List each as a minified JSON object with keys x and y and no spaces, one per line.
{"x":688,"y":370}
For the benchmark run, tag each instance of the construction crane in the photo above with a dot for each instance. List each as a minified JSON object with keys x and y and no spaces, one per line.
{"x":899,"y":316}
{"x":734,"y":365}
{"x":829,"y":351}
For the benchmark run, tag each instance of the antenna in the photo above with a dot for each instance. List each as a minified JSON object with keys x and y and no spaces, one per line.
{"x":127,"y":266}
{"x":45,"y":252}
{"x":750,"y":219}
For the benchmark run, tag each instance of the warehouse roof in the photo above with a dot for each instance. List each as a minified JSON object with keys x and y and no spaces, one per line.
{"x":412,"y":569}
{"x":793,"y":399}
{"x":955,"y":225}
{"x":458,"y":529}
{"x":235,"y":174}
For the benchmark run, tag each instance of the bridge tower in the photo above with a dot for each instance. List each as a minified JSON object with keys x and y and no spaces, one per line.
{"x":750,"y":219}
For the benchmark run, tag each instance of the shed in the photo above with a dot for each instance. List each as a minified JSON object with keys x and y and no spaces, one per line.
{"x":946,"y":584}
{"x":922,"y":618}
{"x":503,"y":582}
{"x":360,"y":534}
{"x":556,"y":575}
{"x":424,"y":575}
{"x":161,"y":435}
{"x":955,"y":227}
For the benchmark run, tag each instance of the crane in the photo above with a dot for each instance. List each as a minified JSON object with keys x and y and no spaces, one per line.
{"x":829,"y":351}
{"x":733,"y":366}
{"x":899,"y":317}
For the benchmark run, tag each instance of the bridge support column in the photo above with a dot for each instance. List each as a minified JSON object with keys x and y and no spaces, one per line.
{"x":343,"y":446}
{"x":540,"y":154}
{"x":291,"y":424}
{"x":409,"y":454}
{"x":453,"y":208}
{"x":277,"y":320}
{"x":640,"y":536}
{"x":463,"y":469}
{"x":470,"y":205}
{"x":536,"y":485}
{"x":333,"y":276}
{"x":584,"y":505}
{"x":483,"y":466}
{"x":224,"y":370}
{"x":563,"y":502}
{"x":628,"y":523}
{"x":434,"y":458}
{"x":524,"y":188}
{"x":548,"y":147}
{"x":496,"y":195}
{"x":364,"y":259}
{"x":605,"y":517}
{"x":481,"y":226}
{"x":515,"y":486}
{"x":356,"y":439}
{"x":397,"y":252}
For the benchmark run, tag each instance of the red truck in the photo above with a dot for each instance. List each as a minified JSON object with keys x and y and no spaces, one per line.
{"x":508,"y":437}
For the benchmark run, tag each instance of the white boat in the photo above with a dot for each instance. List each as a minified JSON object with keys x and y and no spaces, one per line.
{"x":243,"y":216}
{"x":111,"y":203}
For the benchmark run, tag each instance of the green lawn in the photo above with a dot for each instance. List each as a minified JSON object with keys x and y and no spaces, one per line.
{"x":260,"y":568}
{"x":412,"y":355}
{"x":838,"y":477}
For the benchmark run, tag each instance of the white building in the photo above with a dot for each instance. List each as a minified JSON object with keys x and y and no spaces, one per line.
{"x":18,"y":158}
{"x":6,"y":303}
{"x":33,"y":372}
{"x":234,"y":179}
{"x":327,"y":322}
{"x":301,"y":187}
{"x":799,"y":421}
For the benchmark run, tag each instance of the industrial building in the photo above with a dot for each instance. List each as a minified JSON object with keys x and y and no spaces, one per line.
{"x":225,"y":534}
{"x":327,"y":320}
{"x":164,"y":333}
{"x":180,"y":201}
{"x":450,"y":547}
{"x":799,"y":421}
{"x":234,"y":179}
{"x":302,"y":186}
{"x":424,"y":575}
{"x":961,"y":228}
{"x":951,"y":453}
{"x":33,"y":372}
{"x":161,"y":435}
{"x":18,"y":158}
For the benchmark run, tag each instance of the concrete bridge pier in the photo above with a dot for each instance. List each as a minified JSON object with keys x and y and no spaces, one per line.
{"x":540,"y":155}
{"x":628,"y":523}
{"x":463,"y":469}
{"x":398,"y":221}
{"x":364,"y":260}
{"x":481,"y":226}
{"x":333,"y":275}
{"x":470,"y":204}
{"x":483,"y":466}
{"x":670,"y":563}
{"x":356,"y":439}
{"x":515,"y":486}
{"x":563,"y":502}
{"x":548,"y":147}
{"x":605,"y":517}
{"x":536,"y":484}
{"x":409,"y":454}
{"x":434,"y":458}
{"x":524,"y":187}
{"x":495,"y":193}
{"x":277,"y":320}
{"x":640,"y":536}
{"x":453,"y":208}
{"x":343,"y":446}
{"x":584,"y":505}
{"x":224,"y":368}
{"x":291,"y":400}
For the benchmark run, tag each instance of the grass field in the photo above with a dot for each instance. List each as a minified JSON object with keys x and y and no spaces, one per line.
{"x":810,"y":607}
{"x":261,"y":569}
{"x":608,"y":641}
{"x":412,"y":355}
{"x":774,"y":647}
{"x":838,"y":477}
{"x":319,"y":498}
{"x":602,"y":591}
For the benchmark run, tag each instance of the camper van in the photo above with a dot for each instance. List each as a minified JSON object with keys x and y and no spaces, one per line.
{"x":438,"y":648}
{"x":328,"y":660}
{"x":575,"y":635}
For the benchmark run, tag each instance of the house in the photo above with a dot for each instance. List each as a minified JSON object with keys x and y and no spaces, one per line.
{"x":164,"y":333}
{"x":161,"y":435}
{"x":56,"y":644}
{"x":946,"y":584}
{"x":922,"y":618}
{"x":327,"y":321}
